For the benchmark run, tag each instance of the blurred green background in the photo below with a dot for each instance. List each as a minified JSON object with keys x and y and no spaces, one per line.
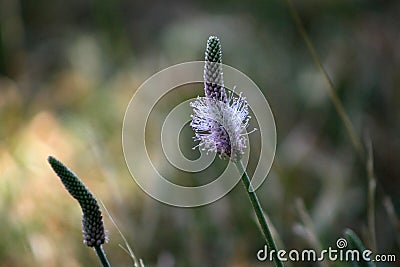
{"x":69,"y":68}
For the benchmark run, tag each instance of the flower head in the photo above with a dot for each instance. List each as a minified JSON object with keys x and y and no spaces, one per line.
{"x":92,"y":220}
{"x":219,"y":119}
{"x":220,"y":127}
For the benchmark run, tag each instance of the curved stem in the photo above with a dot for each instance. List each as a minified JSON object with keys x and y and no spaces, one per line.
{"x":102,"y":256}
{"x":259,"y":213}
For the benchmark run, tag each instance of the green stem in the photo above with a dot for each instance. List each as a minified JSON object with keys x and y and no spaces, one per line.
{"x":260,"y":214}
{"x":102,"y":256}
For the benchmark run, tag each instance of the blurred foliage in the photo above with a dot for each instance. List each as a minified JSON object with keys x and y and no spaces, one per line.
{"x":68,"y":70}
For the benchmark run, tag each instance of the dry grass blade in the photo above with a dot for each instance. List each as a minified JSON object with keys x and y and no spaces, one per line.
{"x":371,"y":195}
{"x":388,"y":204}
{"x":308,"y":228}
{"x":127,"y":249}
{"x":332,"y":93}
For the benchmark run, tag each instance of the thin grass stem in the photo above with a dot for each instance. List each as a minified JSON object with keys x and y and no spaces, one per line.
{"x":389,"y":207}
{"x":128,"y":249}
{"x":332,"y":93}
{"x":371,"y":196}
{"x":309,"y":229}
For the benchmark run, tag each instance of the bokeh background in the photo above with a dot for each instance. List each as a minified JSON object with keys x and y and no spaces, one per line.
{"x":69,"y":68}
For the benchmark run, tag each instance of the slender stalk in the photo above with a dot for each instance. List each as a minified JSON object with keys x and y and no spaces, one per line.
{"x":388,"y":204}
{"x":309,"y":229}
{"x":102,"y":256}
{"x":331,"y":89}
{"x":259,"y":213}
{"x":127,"y":249}
{"x":371,"y":196}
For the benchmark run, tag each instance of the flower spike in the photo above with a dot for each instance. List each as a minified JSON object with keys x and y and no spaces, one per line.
{"x":219,"y":119}
{"x":213,"y":76}
{"x":92,"y":219}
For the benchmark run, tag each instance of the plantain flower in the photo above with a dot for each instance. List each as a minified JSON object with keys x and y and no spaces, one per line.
{"x":219,"y":120}
{"x":92,"y":219}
